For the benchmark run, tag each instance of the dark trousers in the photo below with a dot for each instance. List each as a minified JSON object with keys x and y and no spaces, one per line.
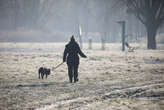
{"x":73,"y":72}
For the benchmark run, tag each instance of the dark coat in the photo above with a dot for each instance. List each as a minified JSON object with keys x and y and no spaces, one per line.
{"x":71,"y":52}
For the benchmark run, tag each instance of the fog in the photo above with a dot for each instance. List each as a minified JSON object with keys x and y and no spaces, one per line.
{"x":118,"y":63}
{"x":57,"y":20}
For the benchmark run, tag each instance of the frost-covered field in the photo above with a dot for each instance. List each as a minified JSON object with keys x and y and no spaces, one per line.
{"x":109,"y":80}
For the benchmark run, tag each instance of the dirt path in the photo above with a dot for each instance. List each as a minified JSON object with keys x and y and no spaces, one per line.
{"x":142,"y":92}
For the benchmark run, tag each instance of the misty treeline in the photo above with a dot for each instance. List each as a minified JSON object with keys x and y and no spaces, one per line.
{"x":96,"y":17}
{"x":151,"y":14}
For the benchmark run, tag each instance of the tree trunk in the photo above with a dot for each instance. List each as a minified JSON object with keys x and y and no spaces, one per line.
{"x":151,"y":41}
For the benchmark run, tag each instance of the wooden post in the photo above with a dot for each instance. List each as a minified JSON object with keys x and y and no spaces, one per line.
{"x":102,"y":43}
{"x":80,"y":40}
{"x":80,"y":37}
{"x":90,"y":43}
{"x":123,"y":36}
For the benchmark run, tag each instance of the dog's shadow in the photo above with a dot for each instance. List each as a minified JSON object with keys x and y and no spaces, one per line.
{"x":45,"y":84}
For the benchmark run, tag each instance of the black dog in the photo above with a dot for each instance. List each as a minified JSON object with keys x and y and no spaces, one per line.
{"x":44,"y":71}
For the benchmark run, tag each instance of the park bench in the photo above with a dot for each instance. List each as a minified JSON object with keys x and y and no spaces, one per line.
{"x":130,"y":48}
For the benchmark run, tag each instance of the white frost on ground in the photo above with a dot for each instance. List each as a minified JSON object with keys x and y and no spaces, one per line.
{"x":109,"y":79}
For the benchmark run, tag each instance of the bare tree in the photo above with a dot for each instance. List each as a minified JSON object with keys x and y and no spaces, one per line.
{"x":151,"y":14}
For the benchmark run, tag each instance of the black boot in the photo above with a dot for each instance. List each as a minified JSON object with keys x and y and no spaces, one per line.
{"x":76,"y":80}
{"x":70,"y":79}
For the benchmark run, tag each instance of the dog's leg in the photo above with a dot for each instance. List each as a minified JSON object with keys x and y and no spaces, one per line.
{"x":46,"y":76}
{"x":42,"y":75}
{"x":39,"y":75}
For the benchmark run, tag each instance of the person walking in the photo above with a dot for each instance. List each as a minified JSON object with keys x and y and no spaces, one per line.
{"x":71,"y":52}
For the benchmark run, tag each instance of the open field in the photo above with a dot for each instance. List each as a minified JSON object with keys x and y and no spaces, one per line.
{"x":108,"y":80}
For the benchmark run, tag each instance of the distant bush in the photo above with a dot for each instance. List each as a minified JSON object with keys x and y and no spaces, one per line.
{"x":23,"y":35}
